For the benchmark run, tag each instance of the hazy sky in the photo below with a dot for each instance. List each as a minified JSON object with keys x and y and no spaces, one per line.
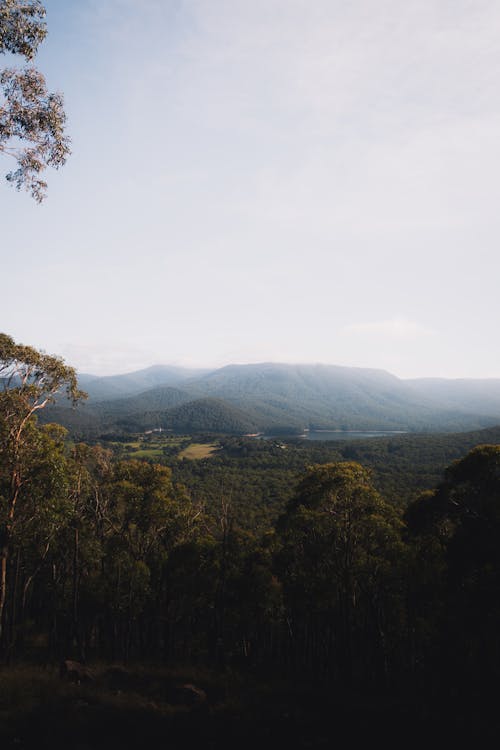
{"x":287,"y":180}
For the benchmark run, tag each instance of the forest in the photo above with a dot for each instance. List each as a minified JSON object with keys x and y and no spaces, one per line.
{"x":270,"y":579}
{"x":292,"y":204}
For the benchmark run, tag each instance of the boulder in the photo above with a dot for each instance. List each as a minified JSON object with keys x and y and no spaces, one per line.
{"x":75,"y":672}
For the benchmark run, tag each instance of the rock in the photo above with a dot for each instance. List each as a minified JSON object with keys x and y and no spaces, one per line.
{"x":75,"y":672}
{"x":188,"y":695}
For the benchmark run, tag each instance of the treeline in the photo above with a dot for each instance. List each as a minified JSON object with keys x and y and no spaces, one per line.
{"x":278,"y":399}
{"x":110,"y":560}
{"x":259,"y":476}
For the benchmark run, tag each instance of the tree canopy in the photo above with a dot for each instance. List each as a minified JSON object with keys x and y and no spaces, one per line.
{"x":30,"y":380}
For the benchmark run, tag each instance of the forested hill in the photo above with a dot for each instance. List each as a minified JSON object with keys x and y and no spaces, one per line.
{"x":200,"y":415}
{"x":281,"y":397}
{"x":127,"y":384}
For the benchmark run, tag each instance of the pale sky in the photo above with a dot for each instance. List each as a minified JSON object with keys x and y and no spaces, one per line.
{"x":266,"y":180}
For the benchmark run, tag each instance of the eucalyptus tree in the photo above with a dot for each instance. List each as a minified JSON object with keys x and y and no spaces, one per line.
{"x":340,"y":546}
{"x":32,"y":119}
{"x":458,"y":528}
{"x":29,"y":381}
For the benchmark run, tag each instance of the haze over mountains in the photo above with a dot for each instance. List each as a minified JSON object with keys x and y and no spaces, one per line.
{"x":127,"y":384}
{"x":279,"y":398}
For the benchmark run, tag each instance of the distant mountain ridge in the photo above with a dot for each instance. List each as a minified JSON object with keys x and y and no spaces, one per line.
{"x":477,"y":395}
{"x":101,"y":387}
{"x":280,"y":397}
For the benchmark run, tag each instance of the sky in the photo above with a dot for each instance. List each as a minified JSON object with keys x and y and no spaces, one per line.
{"x":266,"y":180}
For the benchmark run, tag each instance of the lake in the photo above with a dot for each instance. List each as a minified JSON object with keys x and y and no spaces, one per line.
{"x":335,"y":435}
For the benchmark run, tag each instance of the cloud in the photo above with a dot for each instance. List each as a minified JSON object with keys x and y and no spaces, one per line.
{"x":108,"y":360}
{"x":400,"y":329}
{"x":277,"y":179}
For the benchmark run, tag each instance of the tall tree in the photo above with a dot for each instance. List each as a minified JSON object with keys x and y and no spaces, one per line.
{"x":31,"y":118}
{"x":463,"y":517}
{"x":29,"y":381}
{"x":340,"y":542}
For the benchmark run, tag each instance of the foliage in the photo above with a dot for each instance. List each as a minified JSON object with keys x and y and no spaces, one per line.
{"x":282,"y":559}
{"x":458,"y":528}
{"x":22,"y":27}
{"x":31,"y":380}
{"x":32,"y":119}
{"x":260,"y":475}
{"x":340,"y":541}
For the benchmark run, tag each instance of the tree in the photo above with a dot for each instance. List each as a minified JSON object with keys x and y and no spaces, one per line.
{"x":340,"y":544}
{"x":40,"y":521}
{"x":144,"y":518}
{"x":458,"y":528}
{"x":464,"y":512}
{"x":29,"y":380}
{"x":31,"y":119}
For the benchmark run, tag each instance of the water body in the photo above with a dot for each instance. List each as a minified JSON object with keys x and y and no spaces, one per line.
{"x":335,"y":435}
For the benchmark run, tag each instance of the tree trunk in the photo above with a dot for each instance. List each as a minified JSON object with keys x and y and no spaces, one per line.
{"x":4,"y":557}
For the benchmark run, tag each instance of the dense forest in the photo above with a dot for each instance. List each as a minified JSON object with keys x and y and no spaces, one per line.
{"x":360,"y":575}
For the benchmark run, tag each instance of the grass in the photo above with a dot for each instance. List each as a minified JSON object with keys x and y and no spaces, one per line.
{"x":132,"y":707}
{"x":152,"y":448}
{"x":120,"y":708}
{"x":147,"y":453}
{"x":196,"y":451}
{"x":129,"y":707}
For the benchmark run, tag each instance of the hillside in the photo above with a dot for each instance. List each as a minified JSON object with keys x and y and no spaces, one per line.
{"x":328,"y":396}
{"x":284,"y":398}
{"x":128,"y":384}
{"x":153,"y":400}
{"x":477,"y":396}
{"x":208,"y":415}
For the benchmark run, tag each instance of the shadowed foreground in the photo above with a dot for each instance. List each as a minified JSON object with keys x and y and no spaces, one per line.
{"x":138,"y":707}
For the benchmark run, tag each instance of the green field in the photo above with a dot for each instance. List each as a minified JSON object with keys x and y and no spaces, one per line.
{"x":160,"y":447}
{"x":149,"y":448}
{"x":147,"y":453}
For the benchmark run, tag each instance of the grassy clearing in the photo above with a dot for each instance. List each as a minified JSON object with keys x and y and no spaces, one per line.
{"x":147,"y":453}
{"x":126,"y":446}
{"x":147,"y":447}
{"x":196,"y":451}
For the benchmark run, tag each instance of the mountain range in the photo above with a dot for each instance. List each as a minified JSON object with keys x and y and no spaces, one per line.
{"x":277,"y":398}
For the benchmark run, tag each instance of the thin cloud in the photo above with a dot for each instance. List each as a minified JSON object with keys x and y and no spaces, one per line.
{"x":248,"y":178}
{"x":395,"y":328}
{"x":113,"y":359}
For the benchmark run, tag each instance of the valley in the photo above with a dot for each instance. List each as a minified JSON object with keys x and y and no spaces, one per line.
{"x":276,"y":399}
{"x":166,"y":532}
